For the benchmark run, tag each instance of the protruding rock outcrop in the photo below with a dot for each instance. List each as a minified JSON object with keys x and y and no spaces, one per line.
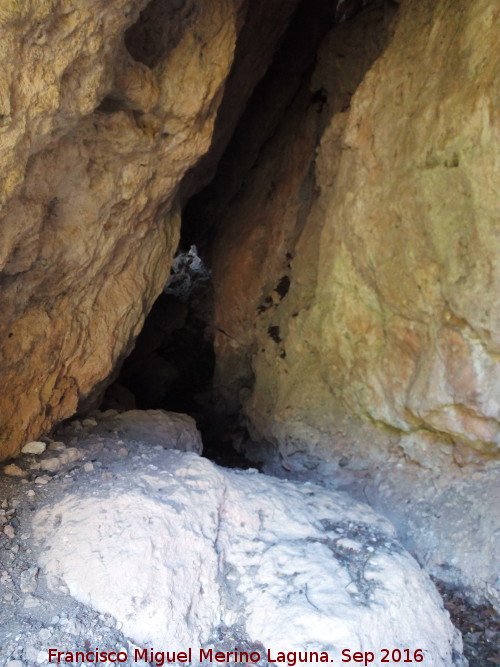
{"x":102,"y":112}
{"x":357,"y":271}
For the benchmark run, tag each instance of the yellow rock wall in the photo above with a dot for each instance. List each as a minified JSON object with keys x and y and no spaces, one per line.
{"x":387,"y":229}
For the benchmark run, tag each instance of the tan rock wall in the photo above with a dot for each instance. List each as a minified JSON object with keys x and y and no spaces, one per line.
{"x":93,"y":145}
{"x":390,"y":328}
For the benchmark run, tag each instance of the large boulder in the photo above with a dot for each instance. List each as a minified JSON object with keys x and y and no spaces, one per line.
{"x":179,"y":551}
{"x":158,"y":428}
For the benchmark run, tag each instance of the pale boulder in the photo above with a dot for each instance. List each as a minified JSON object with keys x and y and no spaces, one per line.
{"x":287,"y":566}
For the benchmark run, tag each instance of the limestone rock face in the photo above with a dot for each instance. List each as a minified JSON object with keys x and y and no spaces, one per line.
{"x":213,"y":556}
{"x":357,"y":274}
{"x":102,"y":111}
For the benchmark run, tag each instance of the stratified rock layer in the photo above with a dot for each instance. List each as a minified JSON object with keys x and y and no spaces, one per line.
{"x":102,"y":111}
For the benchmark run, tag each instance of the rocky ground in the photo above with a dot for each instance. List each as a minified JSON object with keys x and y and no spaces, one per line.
{"x":479,"y":625}
{"x":35,"y":618}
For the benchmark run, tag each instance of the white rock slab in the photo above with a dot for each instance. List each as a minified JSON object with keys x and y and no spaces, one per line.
{"x":175,"y":553}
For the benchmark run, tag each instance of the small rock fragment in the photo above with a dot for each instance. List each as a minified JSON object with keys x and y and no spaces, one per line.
{"x":45,"y":634}
{"x":108,"y":620}
{"x":31,"y":653}
{"x":31,"y":602}
{"x":123,"y":452}
{"x":30,"y":493}
{"x":88,"y":467}
{"x":74,"y":627}
{"x":14,"y":663}
{"x":42,"y":479}
{"x":57,"y":446}
{"x":14,"y":471}
{"x":29,"y":580}
{"x":70,"y":455}
{"x":9,"y":531}
{"x":90,"y":421}
{"x":51,"y":465}
{"x":34,"y":447}
{"x":41,"y":658}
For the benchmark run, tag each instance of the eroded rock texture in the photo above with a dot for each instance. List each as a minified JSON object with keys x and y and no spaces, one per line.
{"x":357,"y":272}
{"x":215,"y":555}
{"x":102,"y":112}
{"x":352,"y":227}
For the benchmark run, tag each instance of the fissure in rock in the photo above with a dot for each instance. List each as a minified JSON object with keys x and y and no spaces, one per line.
{"x":174,"y":363}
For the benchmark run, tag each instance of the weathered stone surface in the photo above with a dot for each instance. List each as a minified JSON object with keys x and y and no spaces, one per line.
{"x":157,"y":427}
{"x":391,"y":309}
{"x":88,"y":220}
{"x":284,"y":566}
{"x":357,"y":272}
{"x":34,"y":447}
{"x":96,"y":131}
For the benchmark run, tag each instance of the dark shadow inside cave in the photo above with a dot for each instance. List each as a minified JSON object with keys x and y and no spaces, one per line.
{"x":172,"y":365}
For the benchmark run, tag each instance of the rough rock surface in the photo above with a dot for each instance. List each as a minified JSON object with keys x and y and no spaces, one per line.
{"x":102,"y":112}
{"x":157,"y":427}
{"x":448,"y":519}
{"x":373,"y":263}
{"x":32,"y":617}
{"x":356,"y":275}
{"x":287,"y":566}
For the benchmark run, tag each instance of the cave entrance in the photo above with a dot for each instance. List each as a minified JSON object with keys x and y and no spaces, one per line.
{"x":172,"y":366}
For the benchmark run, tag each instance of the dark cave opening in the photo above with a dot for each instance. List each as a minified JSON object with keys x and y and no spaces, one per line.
{"x":173,"y":363}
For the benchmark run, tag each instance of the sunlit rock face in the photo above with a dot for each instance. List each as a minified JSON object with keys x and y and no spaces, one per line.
{"x":357,"y":273}
{"x":103,"y":109}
